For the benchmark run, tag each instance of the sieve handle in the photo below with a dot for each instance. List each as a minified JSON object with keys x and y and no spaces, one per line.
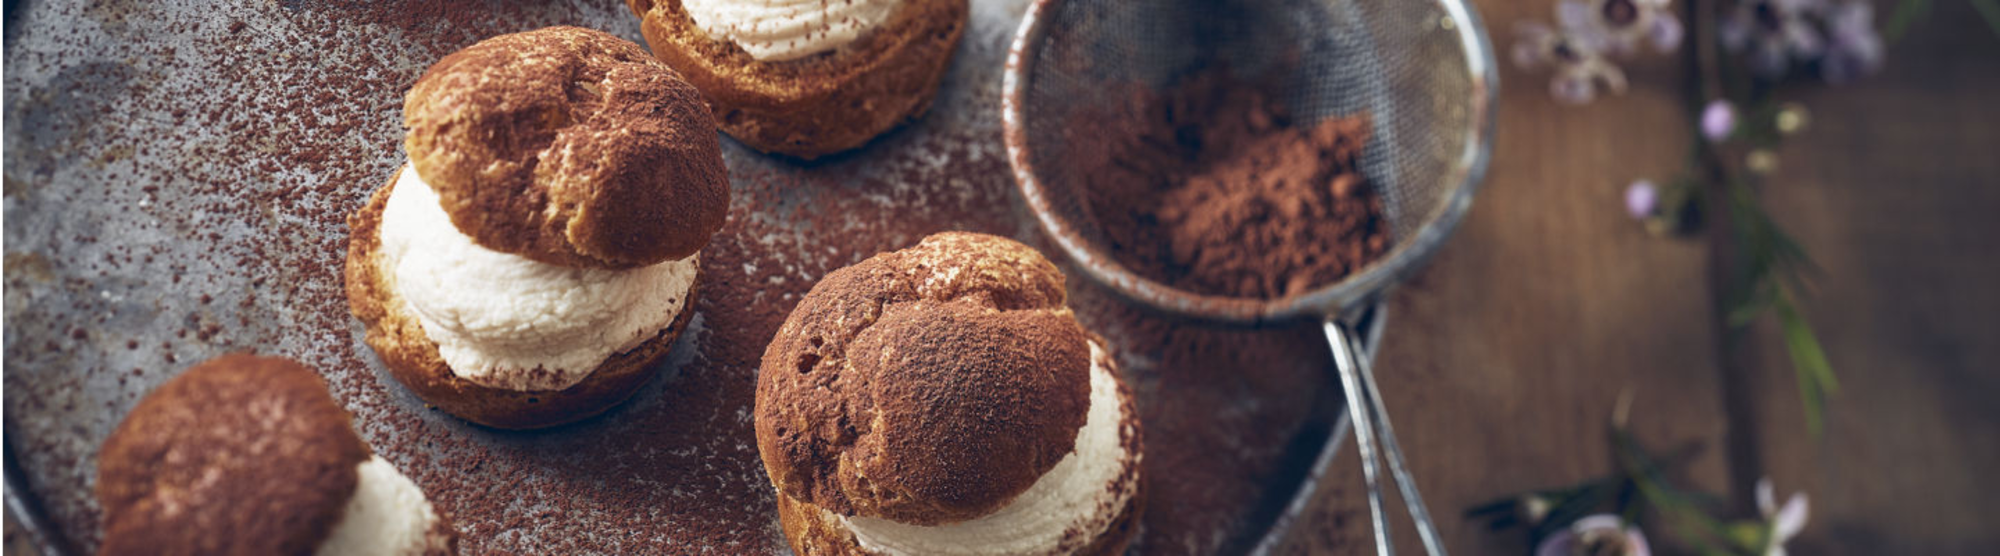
{"x":1364,"y":407}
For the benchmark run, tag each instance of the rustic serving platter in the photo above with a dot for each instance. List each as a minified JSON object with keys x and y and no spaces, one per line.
{"x":177,"y":179}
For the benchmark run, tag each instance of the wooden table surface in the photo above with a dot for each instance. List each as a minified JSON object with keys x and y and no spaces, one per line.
{"x":1502,"y":361}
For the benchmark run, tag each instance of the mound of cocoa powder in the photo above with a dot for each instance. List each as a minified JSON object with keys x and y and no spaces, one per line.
{"x":1209,"y":186}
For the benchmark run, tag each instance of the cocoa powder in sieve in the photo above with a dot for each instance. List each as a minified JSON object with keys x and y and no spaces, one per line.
{"x":1211,"y":187}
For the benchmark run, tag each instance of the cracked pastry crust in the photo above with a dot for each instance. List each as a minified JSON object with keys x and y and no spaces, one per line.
{"x":571,"y":147}
{"x":823,"y":103}
{"x":564,"y":146}
{"x":813,"y":531}
{"x":238,"y":455}
{"x":395,"y":333}
{"x":926,"y":386}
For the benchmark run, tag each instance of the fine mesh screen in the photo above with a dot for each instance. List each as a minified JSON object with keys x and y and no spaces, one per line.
{"x":1417,"y":68}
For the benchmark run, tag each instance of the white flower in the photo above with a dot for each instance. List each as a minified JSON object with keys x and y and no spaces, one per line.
{"x":1853,"y":47}
{"x":1600,"y":534}
{"x":1618,"y":26}
{"x":1579,"y":69}
{"x":1785,"y":522}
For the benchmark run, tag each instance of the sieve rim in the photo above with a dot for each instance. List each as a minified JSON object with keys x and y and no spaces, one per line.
{"x":1342,"y":297}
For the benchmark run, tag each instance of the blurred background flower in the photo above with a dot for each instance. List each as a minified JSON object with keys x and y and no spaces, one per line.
{"x":1579,"y":67}
{"x":1596,"y":535}
{"x":1642,"y":199}
{"x":1854,"y":48}
{"x":1839,"y":36}
{"x":1784,"y":523}
{"x":1773,"y":33}
{"x":1587,"y":33}
{"x":1618,"y":26}
{"x":1718,"y":120}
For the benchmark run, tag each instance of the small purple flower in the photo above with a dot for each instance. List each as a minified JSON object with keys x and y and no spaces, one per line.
{"x":1580,"y":69}
{"x":1853,"y":47}
{"x":1718,"y":120}
{"x":1642,"y":199}
{"x":1596,"y":535}
{"x":1618,"y":26}
{"x":1665,"y":33}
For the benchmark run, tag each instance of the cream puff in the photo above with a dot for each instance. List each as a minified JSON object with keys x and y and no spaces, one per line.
{"x":807,"y":78}
{"x":540,"y":252}
{"x":249,"y":455}
{"x":943,"y":399}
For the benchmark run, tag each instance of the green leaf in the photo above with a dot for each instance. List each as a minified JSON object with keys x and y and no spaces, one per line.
{"x":1752,"y":306}
{"x":1759,"y":127}
{"x":1750,"y":535}
{"x":1774,"y":264}
{"x":1708,"y":523}
{"x":1566,"y":513}
{"x":1501,"y":506}
{"x":1682,"y":513}
{"x":1989,"y":10}
{"x":1907,"y":12}
{"x":1764,"y":239}
{"x":1809,"y":362}
{"x":1813,"y":400}
{"x":1797,"y":329}
{"x":1764,"y":246}
{"x":1700,"y":498}
{"x":1787,"y":249}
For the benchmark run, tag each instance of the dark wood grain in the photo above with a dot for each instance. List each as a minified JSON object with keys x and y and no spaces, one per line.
{"x":1895,"y":191}
{"x":1502,"y":361}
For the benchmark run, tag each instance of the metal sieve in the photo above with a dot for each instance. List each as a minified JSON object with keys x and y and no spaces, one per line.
{"x":1422,"y":70}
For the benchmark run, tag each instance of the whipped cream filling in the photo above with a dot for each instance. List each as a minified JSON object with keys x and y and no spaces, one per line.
{"x":1067,"y":508}
{"x":388,"y":516}
{"x":789,"y":29}
{"x":504,"y":321}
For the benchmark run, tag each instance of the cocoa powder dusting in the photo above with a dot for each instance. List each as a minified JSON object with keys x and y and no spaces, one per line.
{"x":1211,"y":187}
{"x":180,"y":176}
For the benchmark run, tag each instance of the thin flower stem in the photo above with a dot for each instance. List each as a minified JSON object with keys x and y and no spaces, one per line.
{"x":1754,"y":250}
{"x":1685,"y":518}
{"x":1708,"y":83}
{"x":1708,"y":62}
